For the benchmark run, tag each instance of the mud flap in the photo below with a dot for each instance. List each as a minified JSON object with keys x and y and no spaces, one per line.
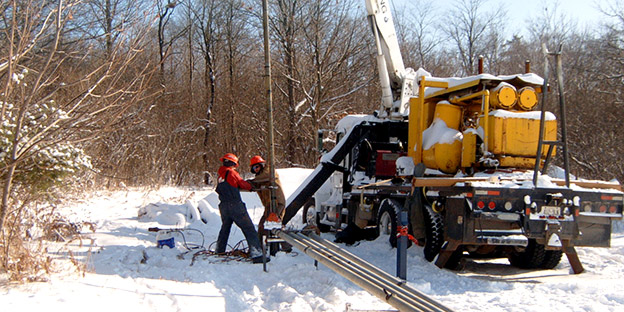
{"x":570,"y":252}
{"x":446,"y":253}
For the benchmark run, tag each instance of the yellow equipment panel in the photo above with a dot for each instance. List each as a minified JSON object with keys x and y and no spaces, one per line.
{"x":515,"y":134}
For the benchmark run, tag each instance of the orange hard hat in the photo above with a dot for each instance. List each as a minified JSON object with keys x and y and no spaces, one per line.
{"x":256,"y":160}
{"x":231,"y":157}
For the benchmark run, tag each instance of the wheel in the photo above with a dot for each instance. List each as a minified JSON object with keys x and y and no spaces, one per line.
{"x":311,"y":217}
{"x":551,"y":259}
{"x":434,"y":233}
{"x":531,"y":258}
{"x":388,"y":220}
{"x":535,"y":256}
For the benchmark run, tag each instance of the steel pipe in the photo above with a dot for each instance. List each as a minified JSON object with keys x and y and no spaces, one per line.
{"x":375,"y":274}
{"x":377,"y":282}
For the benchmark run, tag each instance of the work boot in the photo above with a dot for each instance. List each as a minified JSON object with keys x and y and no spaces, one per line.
{"x":259,"y":259}
{"x":286,"y":247}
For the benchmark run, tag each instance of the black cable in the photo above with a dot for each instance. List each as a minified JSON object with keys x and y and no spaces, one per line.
{"x":186,"y":244}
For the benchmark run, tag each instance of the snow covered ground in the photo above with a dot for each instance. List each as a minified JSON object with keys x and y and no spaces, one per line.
{"x":126,"y":272}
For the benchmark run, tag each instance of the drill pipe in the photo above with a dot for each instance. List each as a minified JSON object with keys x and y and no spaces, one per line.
{"x":411,"y":292}
{"x":380,"y":284}
{"x":377,"y":276}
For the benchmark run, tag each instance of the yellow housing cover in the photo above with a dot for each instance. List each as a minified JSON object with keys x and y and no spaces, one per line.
{"x":444,"y":156}
{"x":516,"y":133}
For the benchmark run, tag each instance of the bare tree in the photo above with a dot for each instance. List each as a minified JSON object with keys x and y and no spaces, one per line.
{"x":56,"y":96}
{"x":419,"y":34}
{"x":468,"y":27}
{"x":595,"y":93}
{"x":552,"y":27}
{"x":105,"y":21}
{"x":165,"y":11}
{"x":331,"y":70}
{"x":206,"y":20}
{"x":286,"y":27}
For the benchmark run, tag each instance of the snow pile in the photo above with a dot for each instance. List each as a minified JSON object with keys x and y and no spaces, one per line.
{"x":405,"y":166}
{"x":533,"y":115}
{"x":345,"y":124}
{"x":126,"y":272}
{"x":206,"y":211}
{"x":529,"y":78}
{"x":438,"y":132}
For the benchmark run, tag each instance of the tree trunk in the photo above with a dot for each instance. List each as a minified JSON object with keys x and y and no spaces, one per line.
{"x":210,"y":99}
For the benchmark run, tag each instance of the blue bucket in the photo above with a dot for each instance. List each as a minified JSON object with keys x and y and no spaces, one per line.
{"x":166,"y":242}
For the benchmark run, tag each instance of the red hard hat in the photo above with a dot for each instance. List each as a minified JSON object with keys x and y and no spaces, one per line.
{"x":231,"y":157}
{"x":256,"y":160}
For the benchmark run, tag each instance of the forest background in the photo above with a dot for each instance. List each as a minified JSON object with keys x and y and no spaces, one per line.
{"x":102,"y":93}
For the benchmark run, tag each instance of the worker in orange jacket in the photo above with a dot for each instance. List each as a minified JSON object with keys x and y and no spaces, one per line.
{"x":233,"y":209}
{"x":262,"y":185}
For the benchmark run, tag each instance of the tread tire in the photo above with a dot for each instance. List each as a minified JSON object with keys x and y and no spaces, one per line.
{"x":531,"y":258}
{"x":551,"y":259}
{"x":393,"y":209}
{"x":324,"y":228}
{"x":434,"y":233}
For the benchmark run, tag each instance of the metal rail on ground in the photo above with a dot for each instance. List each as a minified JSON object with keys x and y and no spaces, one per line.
{"x":386,"y":287}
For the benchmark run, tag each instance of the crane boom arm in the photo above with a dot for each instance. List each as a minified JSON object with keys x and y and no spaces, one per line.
{"x":383,"y":27}
{"x":396,"y":81}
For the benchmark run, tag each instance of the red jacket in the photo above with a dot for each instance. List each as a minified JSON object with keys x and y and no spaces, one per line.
{"x":233,"y":178}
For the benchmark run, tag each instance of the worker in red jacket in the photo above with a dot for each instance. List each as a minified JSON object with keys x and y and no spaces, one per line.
{"x":233,"y":209}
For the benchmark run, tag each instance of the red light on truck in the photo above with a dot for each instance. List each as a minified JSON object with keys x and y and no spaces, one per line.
{"x":606,"y":197}
{"x":492,"y":205}
{"x":603,"y":208}
{"x":612,"y":209}
{"x":493,"y":193}
{"x":481,"y":205}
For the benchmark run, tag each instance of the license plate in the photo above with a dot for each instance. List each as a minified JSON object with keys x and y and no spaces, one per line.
{"x":551,"y":211}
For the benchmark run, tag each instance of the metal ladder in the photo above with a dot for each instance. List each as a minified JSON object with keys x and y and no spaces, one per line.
{"x":563,"y":142}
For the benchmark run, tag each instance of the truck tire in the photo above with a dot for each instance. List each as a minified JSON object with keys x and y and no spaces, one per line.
{"x":551,"y":259}
{"x":312,"y":217}
{"x":434,"y":233}
{"x":532,"y":257}
{"x":388,"y":220}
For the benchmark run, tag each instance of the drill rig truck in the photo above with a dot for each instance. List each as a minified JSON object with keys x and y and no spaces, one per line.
{"x":467,"y":159}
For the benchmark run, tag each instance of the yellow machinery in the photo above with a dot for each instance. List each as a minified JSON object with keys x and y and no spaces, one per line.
{"x":482,"y":122}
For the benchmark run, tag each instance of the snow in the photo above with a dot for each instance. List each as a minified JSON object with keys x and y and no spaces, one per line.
{"x":405,"y":166}
{"x":126,"y":272}
{"x":308,"y":177}
{"x":534,"y":115}
{"x":529,"y":78}
{"x":345,"y":124}
{"x":503,"y":85}
{"x":439,"y":133}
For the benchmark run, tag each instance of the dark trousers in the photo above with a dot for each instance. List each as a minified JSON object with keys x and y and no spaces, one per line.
{"x":237,"y":213}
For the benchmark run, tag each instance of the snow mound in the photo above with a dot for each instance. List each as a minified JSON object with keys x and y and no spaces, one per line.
{"x":164,"y":214}
{"x":126,"y":272}
{"x":205,"y":212}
